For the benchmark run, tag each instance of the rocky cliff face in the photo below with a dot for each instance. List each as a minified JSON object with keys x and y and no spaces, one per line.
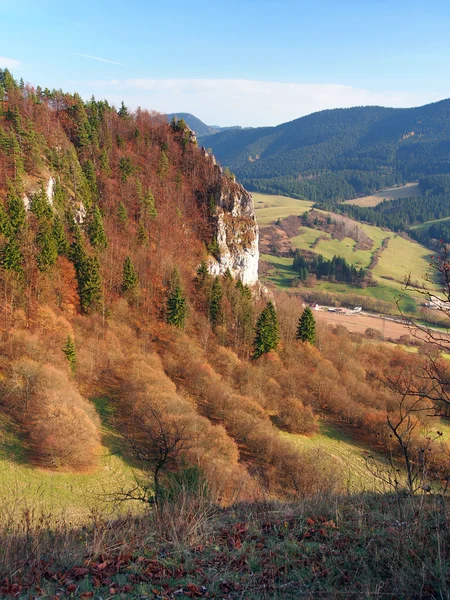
{"x":237,"y":233}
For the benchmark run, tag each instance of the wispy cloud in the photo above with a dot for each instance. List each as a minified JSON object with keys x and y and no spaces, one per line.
{"x":8,"y":63}
{"x":248,"y":102}
{"x":112,"y":62}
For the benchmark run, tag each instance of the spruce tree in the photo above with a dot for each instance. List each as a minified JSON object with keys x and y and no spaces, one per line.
{"x":176,"y":303}
{"x":16,"y":211}
{"x":60,"y":237}
{"x":70,"y":352}
{"x":96,"y":230}
{"x":306,"y":330}
{"x":11,"y":257}
{"x":142,"y":237}
{"x":40,"y":206}
{"x":46,"y":242}
{"x":90,"y":284}
{"x":122,"y":214}
{"x":148,"y":205}
{"x":203,"y":275}
{"x":215,"y":306}
{"x":163,"y":165}
{"x":267,"y":336}
{"x":130,"y":277}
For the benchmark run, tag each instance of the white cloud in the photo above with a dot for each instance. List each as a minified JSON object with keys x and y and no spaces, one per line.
{"x":8,"y":63}
{"x":112,"y":62}
{"x":247,"y":102}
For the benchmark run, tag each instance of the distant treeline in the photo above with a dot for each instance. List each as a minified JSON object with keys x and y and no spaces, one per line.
{"x":336,"y":269}
{"x":403,"y":213}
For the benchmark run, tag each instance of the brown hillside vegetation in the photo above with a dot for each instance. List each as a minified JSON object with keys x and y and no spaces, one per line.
{"x":76,"y":324}
{"x":106,"y":293}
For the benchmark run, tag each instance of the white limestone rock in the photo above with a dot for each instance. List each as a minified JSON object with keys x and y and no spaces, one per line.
{"x":237,"y":234}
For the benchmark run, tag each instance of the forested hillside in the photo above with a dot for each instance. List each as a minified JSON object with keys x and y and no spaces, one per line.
{"x":108,"y":225}
{"x":338,"y":154}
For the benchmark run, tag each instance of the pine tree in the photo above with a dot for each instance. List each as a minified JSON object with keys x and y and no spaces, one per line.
{"x":148,"y":205}
{"x":45,"y":240}
{"x":122,"y":214}
{"x":11,"y":257}
{"x":306,"y":330}
{"x":40,"y":206}
{"x":60,"y":237}
{"x":123,"y":111}
{"x":176,"y":303}
{"x":96,"y":230}
{"x":90,"y":284}
{"x":130,"y":277}
{"x":126,"y":168}
{"x":142,"y":237}
{"x":70,"y":352}
{"x":267,"y":336}
{"x":16,"y":211}
{"x":5,"y":228}
{"x":215,"y":306}
{"x":163,"y":165}
{"x":202,"y":275}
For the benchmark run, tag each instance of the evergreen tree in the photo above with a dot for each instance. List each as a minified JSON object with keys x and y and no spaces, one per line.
{"x":176,"y":303}
{"x":45,"y":240}
{"x":148,"y":205}
{"x":96,"y":230}
{"x":163,"y":165}
{"x":123,"y":111}
{"x":40,"y":206}
{"x":142,"y":237}
{"x":5,"y":228}
{"x":16,"y":211}
{"x":126,"y":168}
{"x":77,"y":252}
{"x":215,"y":306}
{"x":267,"y":336}
{"x":122,"y":214}
{"x":60,"y":237}
{"x":306,"y":330}
{"x":70,"y":352}
{"x":90,"y":284}
{"x":202,"y":275}
{"x":130,"y":277}
{"x":11,"y":257}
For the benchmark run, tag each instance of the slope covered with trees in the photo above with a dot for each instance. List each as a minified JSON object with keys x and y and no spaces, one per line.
{"x":106,"y":218}
{"x":341,"y":153}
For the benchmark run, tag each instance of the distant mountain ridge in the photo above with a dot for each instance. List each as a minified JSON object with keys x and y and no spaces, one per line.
{"x":198,"y":126}
{"x":339,"y":153}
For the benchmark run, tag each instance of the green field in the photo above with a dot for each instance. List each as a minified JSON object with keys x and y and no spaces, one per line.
{"x":429,"y":223}
{"x":270,"y":208}
{"x":58,"y":494}
{"x":349,"y":455}
{"x":401,"y":258}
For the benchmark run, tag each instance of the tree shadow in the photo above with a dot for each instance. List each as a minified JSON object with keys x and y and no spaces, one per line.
{"x":111,"y":437}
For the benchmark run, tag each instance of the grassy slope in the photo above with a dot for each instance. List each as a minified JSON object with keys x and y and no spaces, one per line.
{"x":399,"y":259}
{"x":270,"y":208}
{"x":73,"y":496}
{"x":334,"y":441}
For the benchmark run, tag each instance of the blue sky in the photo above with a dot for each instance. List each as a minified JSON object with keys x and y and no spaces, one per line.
{"x":245,"y":62}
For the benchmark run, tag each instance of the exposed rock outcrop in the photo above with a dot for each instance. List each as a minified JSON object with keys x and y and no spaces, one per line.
{"x":236,"y":233}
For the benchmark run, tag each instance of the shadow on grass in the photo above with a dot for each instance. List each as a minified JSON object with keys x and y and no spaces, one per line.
{"x":111,"y":437}
{"x":12,"y":446}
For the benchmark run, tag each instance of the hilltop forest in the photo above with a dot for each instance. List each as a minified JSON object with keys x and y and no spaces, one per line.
{"x":339,"y":154}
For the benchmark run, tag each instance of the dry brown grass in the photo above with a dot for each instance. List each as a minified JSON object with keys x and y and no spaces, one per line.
{"x":404,"y":191}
